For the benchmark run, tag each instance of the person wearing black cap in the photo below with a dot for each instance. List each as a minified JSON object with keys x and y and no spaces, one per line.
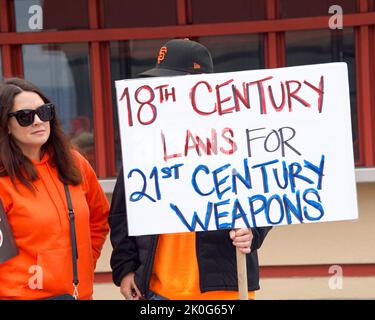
{"x":196,"y":265}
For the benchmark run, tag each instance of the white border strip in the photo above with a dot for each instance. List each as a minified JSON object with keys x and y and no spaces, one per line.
{"x":362,"y":175}
{"x":365,"y":175}
{"x":108,"y":184}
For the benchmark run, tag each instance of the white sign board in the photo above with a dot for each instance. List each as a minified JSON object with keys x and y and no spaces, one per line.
{"x":241,"y":149}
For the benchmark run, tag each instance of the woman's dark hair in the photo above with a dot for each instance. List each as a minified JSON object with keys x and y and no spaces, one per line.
{"x":13,"y":162}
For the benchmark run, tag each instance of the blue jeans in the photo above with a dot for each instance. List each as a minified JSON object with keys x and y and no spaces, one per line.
{"x":154,"y":296}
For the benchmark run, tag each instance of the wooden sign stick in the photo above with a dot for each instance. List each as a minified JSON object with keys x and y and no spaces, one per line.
{"x":242,"y":274}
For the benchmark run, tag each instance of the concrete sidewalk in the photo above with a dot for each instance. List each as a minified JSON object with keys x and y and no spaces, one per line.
{"x":284,"y":289}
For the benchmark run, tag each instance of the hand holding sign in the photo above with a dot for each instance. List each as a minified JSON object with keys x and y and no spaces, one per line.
{"x":242,"y":239}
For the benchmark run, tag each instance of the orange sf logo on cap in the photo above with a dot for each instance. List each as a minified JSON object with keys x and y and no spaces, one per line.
{"x":162,"y":53}
{"x":196,"y":66}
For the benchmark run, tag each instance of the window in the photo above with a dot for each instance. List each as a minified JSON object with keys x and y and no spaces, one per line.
{"x":235,"y":52}
{"x":322,"y":46}
{"x":129,"y":58}
{"x":296,"y":8}
{"x":213,"y":11}
{"x":62,"y":72}
{"x":140,"y":13}
{"x":55,"y":15}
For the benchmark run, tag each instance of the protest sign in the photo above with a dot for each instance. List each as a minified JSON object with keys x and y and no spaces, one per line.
{"x":241,"y":149}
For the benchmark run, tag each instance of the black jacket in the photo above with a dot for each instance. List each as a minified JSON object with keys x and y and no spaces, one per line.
{"x":216,"y":254}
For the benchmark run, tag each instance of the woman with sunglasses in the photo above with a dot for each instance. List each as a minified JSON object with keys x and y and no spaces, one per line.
{"x":36,"y":164}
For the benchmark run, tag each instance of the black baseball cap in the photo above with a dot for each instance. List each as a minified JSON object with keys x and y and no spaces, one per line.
{"x":181,"y":57}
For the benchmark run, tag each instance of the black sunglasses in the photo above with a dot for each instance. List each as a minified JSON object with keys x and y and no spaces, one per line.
{"x":25,"y":117}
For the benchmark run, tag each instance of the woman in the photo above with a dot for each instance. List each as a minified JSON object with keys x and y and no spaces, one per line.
{"x":36,"y":160}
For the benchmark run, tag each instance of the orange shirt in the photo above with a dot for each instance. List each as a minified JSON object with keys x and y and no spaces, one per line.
{"x":176,"y":275}
{"x":40,"y":225}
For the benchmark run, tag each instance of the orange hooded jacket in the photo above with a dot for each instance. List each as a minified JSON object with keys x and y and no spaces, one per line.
{"x":40,"y":225}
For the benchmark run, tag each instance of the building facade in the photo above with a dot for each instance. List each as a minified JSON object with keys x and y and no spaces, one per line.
{"x":75,"y":50}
